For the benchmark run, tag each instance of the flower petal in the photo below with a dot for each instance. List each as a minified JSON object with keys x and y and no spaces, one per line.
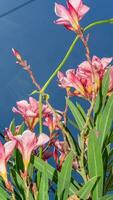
{"x":106,"y":61}
{"x":9,"y":147}
{"x":42,"y":139}
{"x":75,"y":3}
{"x":61,"y":11}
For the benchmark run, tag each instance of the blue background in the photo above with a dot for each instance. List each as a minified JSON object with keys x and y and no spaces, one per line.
{"x":43,"y":44}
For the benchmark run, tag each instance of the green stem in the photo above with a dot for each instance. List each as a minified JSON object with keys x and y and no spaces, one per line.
{"x":40,"y":113}
{"x":82,"y":133}
{"x":40,"y":132}
{"x":70,"y":50}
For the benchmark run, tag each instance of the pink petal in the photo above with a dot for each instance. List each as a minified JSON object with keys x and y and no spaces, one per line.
{"x":2,"y":152}
{"x":30,"y":113}
{"x":34,"y":103}
{"x":60,"y":75}
{"x":42,"y":139}
{"x":15,"y":110}
{"x":28,"y":138}
{"x":106,"y":61}
{"x":83,"y":10}
{"x":61,"y":21}
{"x":61,"y":11}
{"x":9,"y":147}
{"x":75,"y":3}
{"x":22,"y":103}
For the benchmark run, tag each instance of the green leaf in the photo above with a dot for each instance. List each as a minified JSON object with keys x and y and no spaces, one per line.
{"x":101,"y":99}
{"x":72,"y":142}
{"x":107,"y":197}
{"x":64,"y":178}
{"x":95,"y":164}
{"x":53,"y":174}
{"x":72,"y":123}
{"x":43,"y":190}
{"x":3,"y":194}
{"x":19,"y":161}
{"x":106,"y":121}
{"x":84,"y":115}
{"x":21,"y":129}
{"x":105,"y":86}
{"x":12,"y":126}
{"x":76,"y":114}
{"x":34,"y":92}
{"x":19,"y":183}
{"x":84,"y":192}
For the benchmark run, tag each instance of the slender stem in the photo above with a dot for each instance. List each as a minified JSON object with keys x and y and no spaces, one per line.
{"x":60,"y":65}
{"x":40,"y":121}
{"x":70,"y":50}
{"x":82,"y":133}
{"x":40,"y":113}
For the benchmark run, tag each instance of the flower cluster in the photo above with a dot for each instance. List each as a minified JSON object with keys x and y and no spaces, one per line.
{"x":80,"y":80}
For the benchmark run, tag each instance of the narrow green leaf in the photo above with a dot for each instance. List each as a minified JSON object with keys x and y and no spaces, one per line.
{"x":12,"y":126}
{"x":3,"y":194}
{"x":34,"y":92}
{"x":43,"y":190}
{"x":95,"y":164}
{"x":19,"y":161}
{"x":106,"y":121}
{"x":72,"y":123}
{"x":21,"y":129}
{"x":105,"y":86}
{"x":53,"y":174}
{"x":84,"y":115}
{"x":107,"y":197}
{"x":76,"y":114}
{"x":72,"y":142}
{"x":84,"y":192}
{"x":19,"y":183}
{"x":101,"y":98}
{"x":64,"y":178}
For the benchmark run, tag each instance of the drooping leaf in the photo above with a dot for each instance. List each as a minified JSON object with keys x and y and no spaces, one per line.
{"x":85,"y":191}
{"x":64,"y":178}
{"x":95,"y":164}
{"x":43,"y":190}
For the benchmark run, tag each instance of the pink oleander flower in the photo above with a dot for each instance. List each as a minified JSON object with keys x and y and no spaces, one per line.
{"x":79,"y":82}
{"x":52,"y":122}
{"x":26,"y":143}
{"x":70,"y":16}
{"x":30,"y":111}
{"x":6,"y":151}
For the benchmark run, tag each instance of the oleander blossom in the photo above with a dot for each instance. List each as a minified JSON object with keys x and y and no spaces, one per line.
{"x":30,"y":111}
{"x":6,"y":152}
{"x":27,"y":142}
{"x":51,"y":121}
{"x":79,"y":82}
{"x":70,"y":16}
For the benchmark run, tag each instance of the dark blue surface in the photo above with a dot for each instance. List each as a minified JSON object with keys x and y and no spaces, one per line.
{"x":43,"y":44}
